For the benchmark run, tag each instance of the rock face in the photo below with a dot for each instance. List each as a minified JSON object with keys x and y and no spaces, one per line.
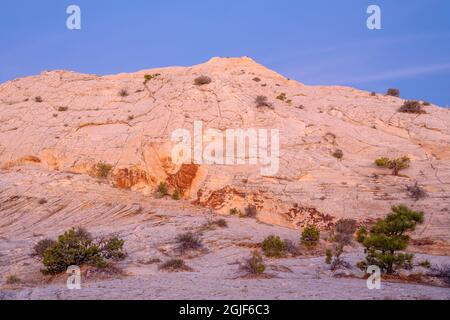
{"x":69,"y":122}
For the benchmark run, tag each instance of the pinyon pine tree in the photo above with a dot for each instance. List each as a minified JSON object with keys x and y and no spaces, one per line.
{"x":389,"y":236}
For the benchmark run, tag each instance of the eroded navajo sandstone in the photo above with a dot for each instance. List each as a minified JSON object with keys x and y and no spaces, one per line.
{"x":63,"y":121}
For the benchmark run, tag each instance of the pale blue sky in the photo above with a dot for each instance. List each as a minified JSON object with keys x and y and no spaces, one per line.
{"x":314,"y":42}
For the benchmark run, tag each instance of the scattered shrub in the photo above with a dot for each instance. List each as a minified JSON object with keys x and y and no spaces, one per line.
{"x":176,"y":195}
{"x":62,"y":109}
{"x":290,"y":247}
{"x":221,"y":223}
{"x":235,"y":212}
{"x":373,"y":94}
{"x":255,"y":264}
{"x":76,"y":247}
{"x":163,"y":188}
{"x":130,"y":117}
{"x":210,"y":225}
{"x":395,"y":164}
{"x":102,"y":169}
{"x":123,"y":93}
{"x":442,"y":272}
{"x":389,"y":236}
{"x":261,"y":101}
{"x":337,"y":262}
{"x":202,"y":80}
{"x":426,"y":103}
{"x":273,"y":246}
{"x":189,"y":241}
{"x":425,"y":264}
{"x":251,"y":211}
{"x":281,"y":96}
{"x":38,"y":99}
{"x":256,"y":79}
{"x":393,"y":92}
{"x":42,"y":246}
{"x":328,"y":256}
{"x":412,"y":106}
{"x":310,"y":236}
{"x":338,"y":154}
{"x":12,"y":279}
{"x":112,"y":248}
{"x":416,"y":192}
{"x":174,"y":265}
{"x":42,"y":201}
{"x":344,"y":230}
{"x":149,"y":77}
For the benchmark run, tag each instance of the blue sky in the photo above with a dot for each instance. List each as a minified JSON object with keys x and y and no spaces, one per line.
{"x":315,"y":42}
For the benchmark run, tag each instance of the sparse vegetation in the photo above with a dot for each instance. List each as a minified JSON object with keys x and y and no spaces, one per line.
{"x":442,"y":272}
{"x":256,"y":79}
{"x":255,"y":264}
{"x":221,"y":223}
{"x":42,"y":201}
{"x":210,"y":225}
{"x":290,"y":247}
{"x":102,"y":169}
{"x":42,"y":246}
{"x":12,"y":279}
{"x":373,"y":94}
{"x":123,"y":93}
{"x":310,"y":236}
{"x":62,"y":109}
{"x":174,"y":265}
{"x":235,"y":212}
{"x":412,"y":106}
{"x":251,"y":211}
{"x":338,"y":154}
{"x":393,"y":92}
{"x":273,"y":246}
{"x":149,"y":77}
{"x":189,"y":241}
{"x":163,"y":189}
{"x":426,"y":103}
{"x":261,"y":102}
{"x":202,"y":80}
{"x":395,"y":164}
{"x":38,"y":99}
{"x":77,"y":247}
{"x":343,"y":231}
{"x":389,"y":236}
{"x":176,"y":195}
{"x":328,"y":256}
{"x":425,"y":264}
{"x":361,"y":234}
{"x":281,"y":96}
{"x":416,"y":192}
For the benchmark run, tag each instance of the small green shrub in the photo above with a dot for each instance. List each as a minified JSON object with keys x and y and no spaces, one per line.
{"x":189,"y":241}
{"x":338,"y":154}
{"x":281,"y":96}
{"x":176,"y":195}
{"x":42,"y":246}
{"x":102,"y":169}
{"x":163,"y":188}
{"x":273,"y":246}
{"x":76,"y":247}
{"x":361,"y":234}
{"x":174,"y":265}
{"x":393,"y":92}
{"x":310,"y":236}
{"x":149,"y":77}
{"x":394,"y":164}
{"x":251,"y":211}
{"x":255,"y":264}
{"x":12,"y":279}
{"x":425,"y":264}
{"x":412,"y":106}
{"x":202,"y":80}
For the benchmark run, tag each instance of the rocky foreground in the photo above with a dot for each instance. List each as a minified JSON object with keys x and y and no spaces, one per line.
{"x":57,"y":127}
